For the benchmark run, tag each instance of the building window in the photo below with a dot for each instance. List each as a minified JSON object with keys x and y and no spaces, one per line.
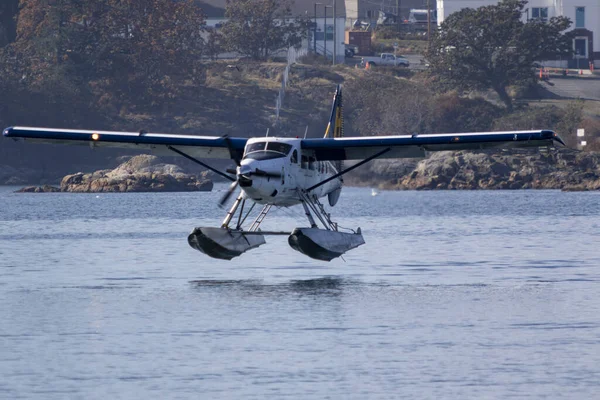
{"x":579,"y":17}
{"x":329,"y":32}
{"x":320,"y":35}
{"x":539,"y":14}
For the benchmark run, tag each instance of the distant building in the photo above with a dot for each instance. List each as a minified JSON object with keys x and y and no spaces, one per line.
{"x":215,"y":17}
{"x":584,"y":15}
{"x":369,"y":10}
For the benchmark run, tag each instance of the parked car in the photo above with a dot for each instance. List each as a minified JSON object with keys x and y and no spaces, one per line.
{"x":386,"y":59}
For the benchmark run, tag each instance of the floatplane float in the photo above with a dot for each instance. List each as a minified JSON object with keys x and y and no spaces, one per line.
{"x":285,"y":172}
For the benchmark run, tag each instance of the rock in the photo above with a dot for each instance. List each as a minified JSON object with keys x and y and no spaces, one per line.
{"x":39,"y":189}
{"x":144,"y":173}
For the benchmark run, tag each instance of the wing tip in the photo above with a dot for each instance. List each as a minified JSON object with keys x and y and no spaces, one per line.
{"x":8,"y":131}
{"x":554,"y":136}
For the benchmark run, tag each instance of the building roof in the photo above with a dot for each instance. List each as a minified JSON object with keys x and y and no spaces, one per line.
{"x":216,"y":8}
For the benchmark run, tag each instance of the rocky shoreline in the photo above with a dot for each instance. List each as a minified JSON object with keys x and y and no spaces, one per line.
{"x":144,"y":173}
{"x":563,"y":169}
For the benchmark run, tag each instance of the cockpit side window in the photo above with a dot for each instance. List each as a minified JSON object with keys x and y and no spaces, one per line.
{"x":258,"y":146}
{"x":283,"y":148}
{"x":294,"y":158}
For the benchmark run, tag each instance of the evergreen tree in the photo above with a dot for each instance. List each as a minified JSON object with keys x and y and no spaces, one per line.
{"x":492,"y":48}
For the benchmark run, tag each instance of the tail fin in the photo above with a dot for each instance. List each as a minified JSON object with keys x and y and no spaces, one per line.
{"x":335,"y":127}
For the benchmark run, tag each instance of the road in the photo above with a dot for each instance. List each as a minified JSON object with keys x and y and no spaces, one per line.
{"x":574,"y":87}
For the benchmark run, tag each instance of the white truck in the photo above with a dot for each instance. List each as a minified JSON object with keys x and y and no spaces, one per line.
{"x":385,"y":59}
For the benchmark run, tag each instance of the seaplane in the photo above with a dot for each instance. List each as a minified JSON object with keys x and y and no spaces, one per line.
{"x":285,"y":172}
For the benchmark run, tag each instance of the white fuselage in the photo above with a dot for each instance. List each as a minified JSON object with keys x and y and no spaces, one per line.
{"x":276,"y":170}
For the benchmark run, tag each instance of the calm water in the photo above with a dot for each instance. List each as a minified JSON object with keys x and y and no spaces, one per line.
{"x":455,"y":295}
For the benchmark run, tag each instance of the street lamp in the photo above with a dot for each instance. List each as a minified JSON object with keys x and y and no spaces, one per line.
{"x":315,"y":28}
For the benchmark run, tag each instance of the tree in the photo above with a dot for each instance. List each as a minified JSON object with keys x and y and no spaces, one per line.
{"x":259,"y":28}
{"x":492,"y":48}
{"x":145,"y":44}
{"x":137,"y":46}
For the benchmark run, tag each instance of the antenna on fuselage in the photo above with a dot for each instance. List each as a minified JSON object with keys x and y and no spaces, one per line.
{"x":267,"y":133}
{"x":306,"y":132}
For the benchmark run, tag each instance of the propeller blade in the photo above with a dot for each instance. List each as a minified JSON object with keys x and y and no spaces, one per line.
{"x":231,"y":171}
{"x":259,"y":172}
{"x":228,"y":194}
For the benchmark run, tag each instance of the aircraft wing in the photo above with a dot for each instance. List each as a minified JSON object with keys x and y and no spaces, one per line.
{"x":158,"y":143}
{"x":416,"y":146}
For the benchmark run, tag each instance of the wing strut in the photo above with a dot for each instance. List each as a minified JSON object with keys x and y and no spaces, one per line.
{"x":366,"y":160}
{"x":216,"y":171}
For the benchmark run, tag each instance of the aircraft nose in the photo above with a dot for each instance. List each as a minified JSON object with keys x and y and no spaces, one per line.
{"x":244,"y":169}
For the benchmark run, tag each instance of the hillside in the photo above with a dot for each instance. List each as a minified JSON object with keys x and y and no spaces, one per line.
{"x":237,"y":98}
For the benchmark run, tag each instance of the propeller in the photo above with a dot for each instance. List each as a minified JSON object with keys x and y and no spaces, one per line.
{"x":265,"y":174}
{"x":228,"y":193}
{"x":236,"y":159}
{"x":247,"y":175}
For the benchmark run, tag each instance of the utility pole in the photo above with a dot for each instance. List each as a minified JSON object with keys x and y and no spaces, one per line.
{"x":428,"y":21}
{"x":315,"y":29}
{"x":325,"y":35}
{"x":334,"y":32}
{"x":398,"y":15}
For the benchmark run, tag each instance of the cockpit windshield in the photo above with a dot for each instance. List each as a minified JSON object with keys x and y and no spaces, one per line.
{"x":267,"y":150}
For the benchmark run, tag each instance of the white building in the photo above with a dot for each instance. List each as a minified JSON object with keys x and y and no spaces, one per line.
{"x":319,"y":11}
{"x":368,"y":10}
{"x":584,"y":15}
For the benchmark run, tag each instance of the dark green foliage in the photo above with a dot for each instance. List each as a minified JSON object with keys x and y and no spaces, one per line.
{"x":528,"y":118}
{"x":133,"y":46}
{"x":260,"y":28}
{"x":379,"y":104}
{"x":451,"y":113}
{"x":491,"y":48}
